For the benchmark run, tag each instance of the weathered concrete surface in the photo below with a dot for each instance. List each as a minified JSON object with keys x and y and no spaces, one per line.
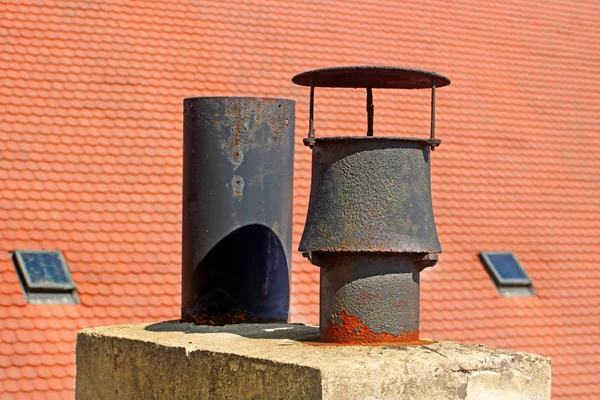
{"x":173,"y":360}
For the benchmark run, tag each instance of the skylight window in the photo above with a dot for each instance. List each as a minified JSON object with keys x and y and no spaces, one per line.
{"x":507,"y":273}
{"x":45,"y":276}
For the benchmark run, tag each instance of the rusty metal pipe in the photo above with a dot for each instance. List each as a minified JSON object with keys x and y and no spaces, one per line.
{"x":237,"y":209}
{"x":370,"y":225}
{"x":368,"y":298}
{"x":370,"y":229}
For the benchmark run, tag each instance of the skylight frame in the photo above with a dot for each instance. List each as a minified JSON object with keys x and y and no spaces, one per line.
{"x":31,"y":286}
{"x":495,"y":274}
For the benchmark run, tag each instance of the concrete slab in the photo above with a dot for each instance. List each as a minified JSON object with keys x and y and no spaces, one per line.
{"x":174,"y":360}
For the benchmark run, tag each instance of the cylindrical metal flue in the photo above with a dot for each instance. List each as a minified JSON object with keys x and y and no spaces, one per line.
{"x":237,"y":209}
{"x":368,"y":298}
{"x":370,"y":225}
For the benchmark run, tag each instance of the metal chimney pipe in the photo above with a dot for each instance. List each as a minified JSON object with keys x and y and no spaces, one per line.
{"x":238,"y":166}
{"x":370,"y":225}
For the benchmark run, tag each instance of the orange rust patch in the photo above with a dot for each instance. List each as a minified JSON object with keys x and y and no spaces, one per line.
{"x":420,"y":342}
{"x":351,"y":330}
{"x":234,"y":316}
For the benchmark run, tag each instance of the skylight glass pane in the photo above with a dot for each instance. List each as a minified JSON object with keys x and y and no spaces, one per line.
{"x":505,"y":269}
{"x":507,"y":266}
{"x":507,"y":273}
{"x":44,"y":270}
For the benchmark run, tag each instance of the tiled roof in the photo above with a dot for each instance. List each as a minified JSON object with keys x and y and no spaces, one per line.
{"x":90,"y":157}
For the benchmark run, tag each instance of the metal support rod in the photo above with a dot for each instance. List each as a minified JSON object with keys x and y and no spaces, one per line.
{"x":433,"y":109}
{"x":370,"y":112}
{"x":311,"y":116}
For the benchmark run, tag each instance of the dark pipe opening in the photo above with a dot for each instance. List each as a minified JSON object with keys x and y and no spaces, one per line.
{"x":244,"y":278}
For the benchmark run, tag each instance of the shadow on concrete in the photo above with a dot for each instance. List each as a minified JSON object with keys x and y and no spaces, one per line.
{"x":296,"y":332}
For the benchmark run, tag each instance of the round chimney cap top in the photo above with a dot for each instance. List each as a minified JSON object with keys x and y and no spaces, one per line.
{"x":370,"y":77}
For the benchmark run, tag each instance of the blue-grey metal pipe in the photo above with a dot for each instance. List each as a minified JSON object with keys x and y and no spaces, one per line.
{"x":237,"y":209}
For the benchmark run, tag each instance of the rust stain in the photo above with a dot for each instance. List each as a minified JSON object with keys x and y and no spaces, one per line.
{"x":234,"y":316}
{"x":349,"y":329}
{"x":245,"y":118}
{"x":237,"y":183}
{"x":420,"y":342}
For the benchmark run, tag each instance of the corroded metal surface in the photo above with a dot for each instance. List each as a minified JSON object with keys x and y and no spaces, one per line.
{"x":370,"y":194}
{"x":375,"y":77}
{"x":370,"y":223}
{"x":368,"y":298}
{"x":237,"y":209}
{"x":370,"y":228}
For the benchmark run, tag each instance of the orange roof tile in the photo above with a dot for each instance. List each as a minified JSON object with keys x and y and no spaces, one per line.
{"x":90,"y":158}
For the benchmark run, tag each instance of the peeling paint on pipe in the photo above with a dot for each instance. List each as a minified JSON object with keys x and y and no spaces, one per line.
{"x":237,"y":209}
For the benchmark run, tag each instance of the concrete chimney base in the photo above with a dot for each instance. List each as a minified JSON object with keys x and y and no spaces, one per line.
{"x":174,"y":360}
